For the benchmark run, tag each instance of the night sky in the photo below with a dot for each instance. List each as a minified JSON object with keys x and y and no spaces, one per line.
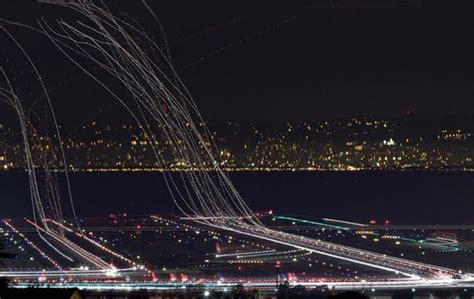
{"x":276,"y":62}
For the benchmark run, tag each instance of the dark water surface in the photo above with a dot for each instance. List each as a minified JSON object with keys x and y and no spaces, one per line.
{"x":402,"y":197}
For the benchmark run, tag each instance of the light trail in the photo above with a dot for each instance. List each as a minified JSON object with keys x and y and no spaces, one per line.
{"x":45,"y":197}
{"x":444,"y":241}
{"x":33,"y":245}
{"x":262,"y":253}
{"x":345,"y":222}
{"x":238,"y":42}
{"x":395,"y":265}
{"x":8,"y":96}
{"x":277,"y":253}
{"x":135,"y":265}
{"x":85,"y":273}
{"x":159,"y":103}
{"x":245,"y":253}
{"x":47,"y":153}
{"x":89,"y":257}
{"x":337,"y":227}
{"x":164,"y":110}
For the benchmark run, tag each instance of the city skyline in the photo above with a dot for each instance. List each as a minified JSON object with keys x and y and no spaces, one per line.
{"x":354,"y":144}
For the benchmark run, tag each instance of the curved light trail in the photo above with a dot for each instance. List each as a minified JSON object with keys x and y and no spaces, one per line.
{"x":141,"y":77}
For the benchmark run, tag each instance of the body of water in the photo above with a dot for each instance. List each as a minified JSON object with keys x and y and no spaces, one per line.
{"x":401,"y":197}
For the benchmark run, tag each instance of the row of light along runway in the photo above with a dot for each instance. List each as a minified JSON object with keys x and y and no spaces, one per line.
{"x":429,"y":279}
{"x":86,"y":264}
{"x":256,"y":284}
{"x":414,"y":270}
{"x":405,"y":267}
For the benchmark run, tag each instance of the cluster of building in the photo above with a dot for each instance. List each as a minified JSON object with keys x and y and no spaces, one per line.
{"x":362,"y":143}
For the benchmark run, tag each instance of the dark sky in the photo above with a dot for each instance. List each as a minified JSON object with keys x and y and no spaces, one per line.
{"x":280,"y":61}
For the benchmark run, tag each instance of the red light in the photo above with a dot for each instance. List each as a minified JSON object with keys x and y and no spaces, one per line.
{"x":387,"y":222}
{"x":373,"y":221}
{"x":124,"y":214}
{"x":139,"y":226}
